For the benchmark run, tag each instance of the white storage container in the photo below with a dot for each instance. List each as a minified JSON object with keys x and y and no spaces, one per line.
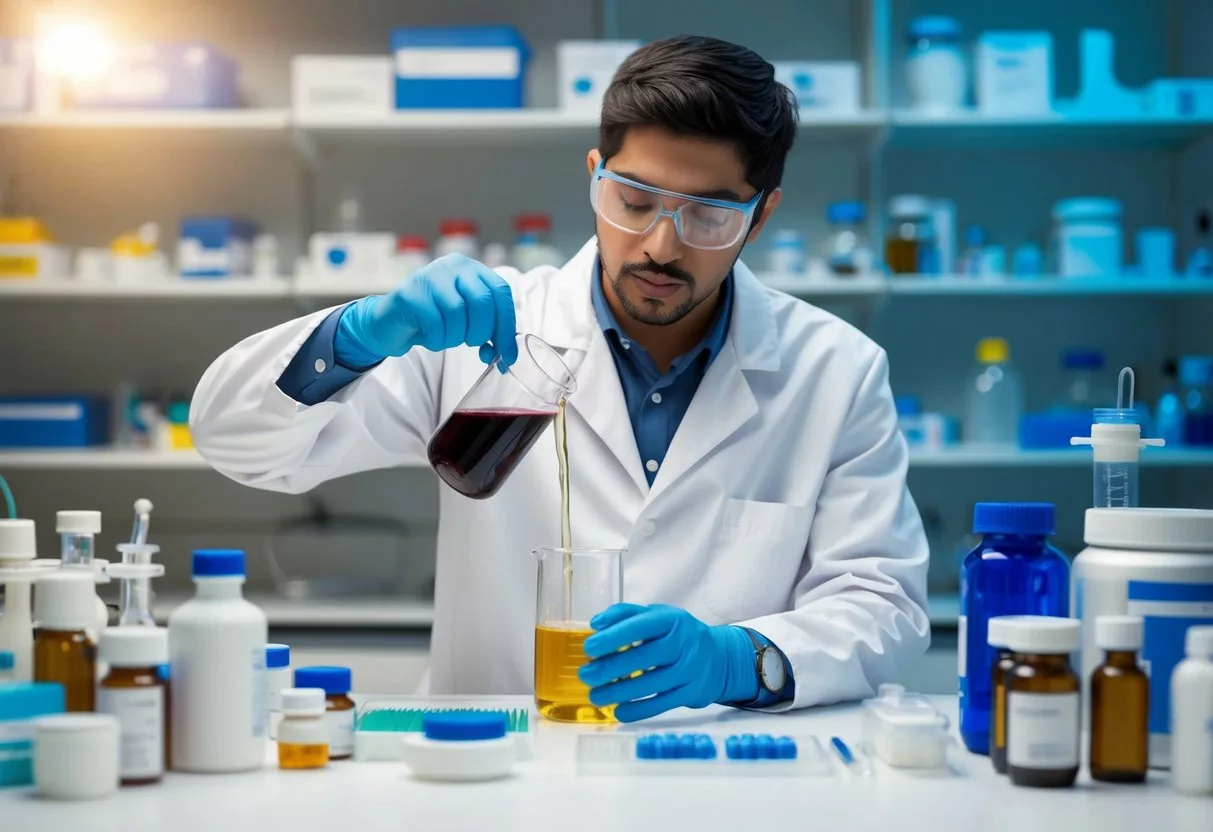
{"x":1156,"y":563}
{"x":1087,"y":237}
{"x":585,"y":69}
{"x":1192,"y":715}
{"x":342,"y":85}
{"x":821,"y":86}
{"x":1014,"y":73}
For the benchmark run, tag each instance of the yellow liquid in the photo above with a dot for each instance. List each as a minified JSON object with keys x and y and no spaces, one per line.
{"x":559,"y":695}
{"x":302,"y":756}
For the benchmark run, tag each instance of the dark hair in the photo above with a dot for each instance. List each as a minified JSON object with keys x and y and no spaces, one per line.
{"x":706,"y":88}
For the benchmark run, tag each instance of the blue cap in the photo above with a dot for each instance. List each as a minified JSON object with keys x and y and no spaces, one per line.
{"x":839,"y":212}
{"x":331,"y":680}
{"x":1115,"y":416}
{"x":1013,"y":518}
{"x":218,"y":563}
{"x":975,"y":235}
{"x":1196,"y":370}
{"x":7,"y":660}
{"x":462,"y":726}
{"x":277,"y":655}
{"x":934,"y":26}
{"x":25,"y":700}
{"x":1082,"y":359}
{"x":907,"y":405}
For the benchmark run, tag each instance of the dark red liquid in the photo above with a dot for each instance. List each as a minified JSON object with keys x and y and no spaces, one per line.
{"x":475,"y":450}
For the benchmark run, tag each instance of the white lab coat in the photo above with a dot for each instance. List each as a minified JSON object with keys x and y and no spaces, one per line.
{"x":781,"y":503}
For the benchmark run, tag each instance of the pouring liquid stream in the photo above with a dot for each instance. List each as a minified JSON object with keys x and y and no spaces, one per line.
{"x":566,"y":528}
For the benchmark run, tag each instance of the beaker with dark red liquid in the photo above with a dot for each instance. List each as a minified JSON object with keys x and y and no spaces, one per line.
{"x":499,"y":419}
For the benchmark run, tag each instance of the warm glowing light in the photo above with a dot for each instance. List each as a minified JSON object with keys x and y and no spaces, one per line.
{"x":72,"y":47}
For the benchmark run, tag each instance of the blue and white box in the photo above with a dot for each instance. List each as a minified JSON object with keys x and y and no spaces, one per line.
{"x":584,"y":69}
{"x":216,"y":247}
{"x":65,"y":421}
{"x":1014,"y":73}
{"x":161,"y":75}
{"x":16,"y":76}
{"x":461,"y":67}
{"x":1179,"y":98}
{"x":822,"y":86}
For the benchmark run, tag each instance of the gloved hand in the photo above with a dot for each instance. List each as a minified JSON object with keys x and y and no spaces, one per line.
{"x":449,"y":302}
{"x":683,"y":661}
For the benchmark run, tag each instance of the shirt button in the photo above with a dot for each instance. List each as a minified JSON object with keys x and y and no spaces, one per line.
{"x":651,"y":465}
{"x":320,"y":365}
{"x":627,"y":345}
{"x":656,"y":398}
{"x":648,"y":528}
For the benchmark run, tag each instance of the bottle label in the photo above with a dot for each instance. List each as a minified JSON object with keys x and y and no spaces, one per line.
{"x":962,"y":637}
{"x":140,"y":713}
{"x":1167,"y":610}
{"x":1043,"y":730}
{"x":341,"y":732}
{"x":261,"y":711}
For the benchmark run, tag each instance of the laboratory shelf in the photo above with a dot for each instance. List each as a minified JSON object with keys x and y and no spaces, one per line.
{"x":970,"y":128}
{"x":373,"y":612}
{"x":1048,"y":285}
{"x":1011,"y":457}
{"x":67,"y":289}
{"x":805,"y":287}
{"x":101,"y":458}
{"x":251,"y":119}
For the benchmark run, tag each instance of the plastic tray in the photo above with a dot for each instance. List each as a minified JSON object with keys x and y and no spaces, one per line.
{"x":615,"y":754}
{"x":905,"y":730}
{"x":374,"y":743}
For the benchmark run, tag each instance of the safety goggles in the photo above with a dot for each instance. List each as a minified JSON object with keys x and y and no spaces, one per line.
{"x":702,"y":223}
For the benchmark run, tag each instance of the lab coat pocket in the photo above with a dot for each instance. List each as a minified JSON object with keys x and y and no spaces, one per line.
{"x":756,"y":552}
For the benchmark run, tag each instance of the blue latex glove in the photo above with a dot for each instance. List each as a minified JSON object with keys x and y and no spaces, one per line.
{"x":684,"y":662}
{"x":449,"y":302}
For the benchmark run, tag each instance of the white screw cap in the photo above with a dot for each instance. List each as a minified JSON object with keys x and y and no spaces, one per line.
{"x":1043,"y":634}
{"x":1119,"y":632}
{"x":134,"y":646}
{"x":996,"y":630}
{"x":1199,"y":642}
{"x":302,"y":702}
{"x":78,"y":522}
{"x":65,"y":600}
{"x":18,"y":542}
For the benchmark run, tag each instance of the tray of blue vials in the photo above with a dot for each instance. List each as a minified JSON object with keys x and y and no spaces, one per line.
{"x":760,"y":755}
{"x":382,"y":722}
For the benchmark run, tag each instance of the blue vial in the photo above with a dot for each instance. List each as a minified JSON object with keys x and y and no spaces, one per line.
{"x":1012,"y":571}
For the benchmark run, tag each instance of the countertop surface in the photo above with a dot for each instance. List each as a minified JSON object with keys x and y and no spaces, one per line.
{"x":547,"y":795}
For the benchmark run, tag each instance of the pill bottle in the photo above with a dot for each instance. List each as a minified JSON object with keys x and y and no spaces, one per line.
{"x":1004,"y":663}
{"x":135,"y":692}
{"x":936,"y":69}
{"x":1120,"y":704}
{"x":336,"y":683}
{"x":64,"y":652}
{"x":1192,"y":715}
{"x":278,"y":679}
{"x":303,"y":733}
{"x":910,"y":245}
{"x":216,"y":643}
{"x":76,"y":756}
{"x":1013,"y":571}
{"x":1152,"y":562}
{"x":457,"y":236}
{"x":1044,"y":701}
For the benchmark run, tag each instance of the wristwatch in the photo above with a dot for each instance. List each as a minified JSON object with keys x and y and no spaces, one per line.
{"x":768,"y":662}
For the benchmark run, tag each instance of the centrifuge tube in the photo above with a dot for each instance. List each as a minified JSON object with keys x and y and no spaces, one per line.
{"x":1116,"y":440}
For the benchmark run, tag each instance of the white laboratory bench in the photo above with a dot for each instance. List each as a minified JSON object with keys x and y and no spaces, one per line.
{"x":547,"y":795}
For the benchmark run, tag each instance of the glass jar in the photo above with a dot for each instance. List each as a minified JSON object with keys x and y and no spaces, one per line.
{"x":787,"y":255}
{"x":457,"y":236}
{"x":1044,"y":702}
{"x":910,"y":246}
{"x":136,"y":693}
{"x":845,"y":249}
{"x":339,"y":708}
{"x":935,"y":64}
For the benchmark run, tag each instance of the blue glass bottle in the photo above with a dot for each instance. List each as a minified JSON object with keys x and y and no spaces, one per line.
{"x":1012,"y":571}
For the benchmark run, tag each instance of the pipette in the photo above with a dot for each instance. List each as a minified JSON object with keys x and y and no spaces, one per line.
{"x":136,"y":572}
{"x":143,"y":518}
{"x":1116,"y":440}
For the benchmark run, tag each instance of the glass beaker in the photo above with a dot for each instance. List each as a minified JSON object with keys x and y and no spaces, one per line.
{"x":574,"y":585}
{"x":497,"y":421}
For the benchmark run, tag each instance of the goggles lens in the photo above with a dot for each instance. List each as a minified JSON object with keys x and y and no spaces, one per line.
{"x":637,"y":209}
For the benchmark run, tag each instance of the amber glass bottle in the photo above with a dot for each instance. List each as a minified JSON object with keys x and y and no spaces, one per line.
{"x":1044,"y":703}
{"x":64,"y":607}
{"x":1120,"y":703}
{"x":999,"y":671}
{"x":136,"y":693}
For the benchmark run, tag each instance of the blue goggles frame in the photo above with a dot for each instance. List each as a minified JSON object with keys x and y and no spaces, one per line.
{"x":746,"y":209}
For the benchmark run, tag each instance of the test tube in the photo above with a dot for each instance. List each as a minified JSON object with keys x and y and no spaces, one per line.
{"x":136,"y":572}
{"x":1116,"y":440}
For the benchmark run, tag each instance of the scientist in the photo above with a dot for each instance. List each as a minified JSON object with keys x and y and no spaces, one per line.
{"x":741,"y":444}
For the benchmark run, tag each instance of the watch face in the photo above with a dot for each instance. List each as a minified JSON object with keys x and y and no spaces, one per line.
{"x":774,"y":675}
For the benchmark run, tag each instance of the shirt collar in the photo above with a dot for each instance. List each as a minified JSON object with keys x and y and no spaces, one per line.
{"x":712,"y":341}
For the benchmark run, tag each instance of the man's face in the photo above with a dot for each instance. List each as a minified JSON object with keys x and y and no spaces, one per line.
{"x":656,"y":278}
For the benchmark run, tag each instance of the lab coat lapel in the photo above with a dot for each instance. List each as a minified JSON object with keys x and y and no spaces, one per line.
{"x":724,"y":401}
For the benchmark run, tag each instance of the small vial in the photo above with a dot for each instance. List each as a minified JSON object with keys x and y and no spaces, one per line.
{"x":1120,"y":703}
{"x":63,"y":650}
{"x":303,"y":733}
{"x":336,"y":683}
{"x":1192,"y":715}
{"x":135,"y":692}
{"x":78,"y":532}
{"x":277,"y":679}
{"x":1004,"y":663}
{"x":1044,"y":702}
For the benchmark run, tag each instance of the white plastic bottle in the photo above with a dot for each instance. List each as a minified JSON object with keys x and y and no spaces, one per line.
{"x":217,"y":670}
{"x":994,"y":400}
{"x":17,"y":549}
{"x":78,"y":532}
{"x":1192,"y":715}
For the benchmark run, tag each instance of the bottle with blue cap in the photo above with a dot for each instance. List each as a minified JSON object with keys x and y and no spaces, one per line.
{"x":339,"y":708}
{"x":278,"y":679}
{"x":936,"y":68}
{"x":1014,"y":570}
{"x":217,"y":660}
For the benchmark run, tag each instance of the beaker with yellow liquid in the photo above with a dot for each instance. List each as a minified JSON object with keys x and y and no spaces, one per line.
{"x":574,"y":585}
